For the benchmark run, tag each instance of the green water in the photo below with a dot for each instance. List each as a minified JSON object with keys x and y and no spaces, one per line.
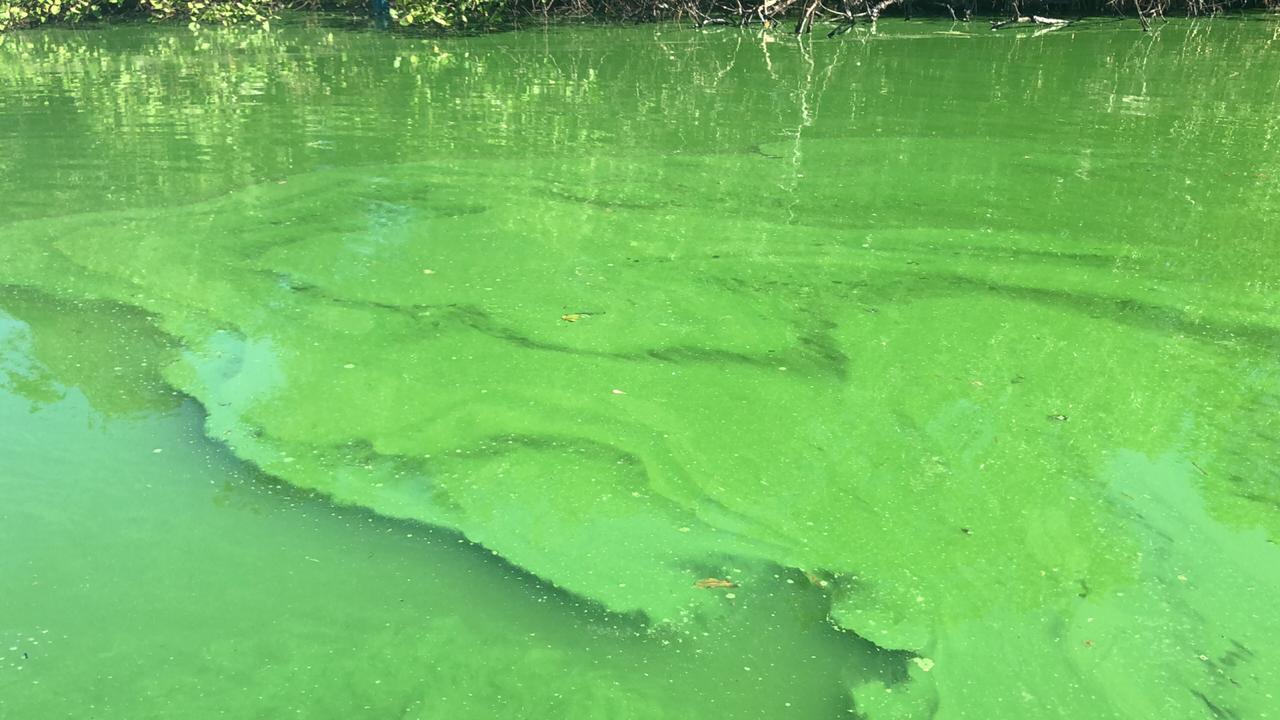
{"x":354,"y":375}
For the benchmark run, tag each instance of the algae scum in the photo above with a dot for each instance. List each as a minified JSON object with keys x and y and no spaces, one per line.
{"x":640,"y":373}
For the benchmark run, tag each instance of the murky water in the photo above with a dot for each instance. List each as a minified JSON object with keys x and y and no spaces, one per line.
{"x":640,"y":373}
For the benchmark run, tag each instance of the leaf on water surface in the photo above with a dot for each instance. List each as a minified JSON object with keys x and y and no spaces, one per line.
{"x":715,"y":584}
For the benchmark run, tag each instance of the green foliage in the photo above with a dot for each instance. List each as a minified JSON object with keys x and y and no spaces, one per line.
{"x":470,"y":14}
{"x":26,"y":13}
{"x":446,"y":13}
{"x":16,"y":14}
{"x":21,"y":13}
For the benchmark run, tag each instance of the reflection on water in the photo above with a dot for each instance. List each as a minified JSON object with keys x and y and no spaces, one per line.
{"x":964,"y":342}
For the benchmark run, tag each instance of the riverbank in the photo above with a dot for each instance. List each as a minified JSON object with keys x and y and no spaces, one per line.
{"x":444,"y":15}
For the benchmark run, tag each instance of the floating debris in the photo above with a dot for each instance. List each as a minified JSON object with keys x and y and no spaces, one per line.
{"x":715,"y":584}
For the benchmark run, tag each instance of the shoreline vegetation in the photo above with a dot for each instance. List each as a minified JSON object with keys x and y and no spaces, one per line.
{"x":799,"y":16}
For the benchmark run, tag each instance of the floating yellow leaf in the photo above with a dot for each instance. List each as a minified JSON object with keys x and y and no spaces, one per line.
{"x":715,"y":583}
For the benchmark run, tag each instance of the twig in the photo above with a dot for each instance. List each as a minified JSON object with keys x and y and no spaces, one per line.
{"x":880,"y":7}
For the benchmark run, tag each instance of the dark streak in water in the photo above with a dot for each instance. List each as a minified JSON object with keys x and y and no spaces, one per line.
{"x":1133,"y":312}
{"x":1216,"y":710}
{"x":818,"y":352}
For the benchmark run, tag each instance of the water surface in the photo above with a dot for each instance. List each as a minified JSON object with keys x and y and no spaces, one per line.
{"x":349,"y":373}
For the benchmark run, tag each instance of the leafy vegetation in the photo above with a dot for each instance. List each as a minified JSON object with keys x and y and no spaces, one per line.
{"x":25,"y":13}
{"x":16,"y":14}
{"x":447,"y":14}
{"x":457,"y":14}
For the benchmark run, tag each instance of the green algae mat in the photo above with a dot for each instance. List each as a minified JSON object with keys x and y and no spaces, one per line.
{"x":640,"y":372}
